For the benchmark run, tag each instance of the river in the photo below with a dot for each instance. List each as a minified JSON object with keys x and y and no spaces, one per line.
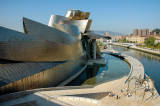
{"x":150,"y":62}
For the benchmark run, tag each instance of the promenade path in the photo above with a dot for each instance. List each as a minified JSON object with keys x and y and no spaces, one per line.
{"x":96,"y":95}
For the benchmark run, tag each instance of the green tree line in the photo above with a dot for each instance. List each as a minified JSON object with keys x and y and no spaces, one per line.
{"x":150,"y":43}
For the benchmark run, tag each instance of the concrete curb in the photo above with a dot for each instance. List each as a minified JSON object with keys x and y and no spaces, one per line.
{"x":130,"y":73}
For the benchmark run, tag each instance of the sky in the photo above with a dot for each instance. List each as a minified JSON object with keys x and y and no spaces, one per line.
{"x":108,"y":15}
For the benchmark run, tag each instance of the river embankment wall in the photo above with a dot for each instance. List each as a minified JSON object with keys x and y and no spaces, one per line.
{"x":139,"y":49}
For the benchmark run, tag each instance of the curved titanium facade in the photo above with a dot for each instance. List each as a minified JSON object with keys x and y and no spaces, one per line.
{"x":69,"y":29}
{"x":13,"y":44}
{"x":57,"y":19}
{"x":47,"y":33}
{"x":81,"y":24}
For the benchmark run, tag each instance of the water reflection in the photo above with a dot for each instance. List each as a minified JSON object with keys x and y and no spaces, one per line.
{"x":88,"y":73}
{"x":114,"y":69}
{"x":150,"y":62}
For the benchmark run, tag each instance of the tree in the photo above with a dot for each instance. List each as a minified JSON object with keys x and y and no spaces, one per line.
{"x":156,"y":30}
{"x":123,"y":40}
{"x":158,"y":45}
{"x":150,"y":41}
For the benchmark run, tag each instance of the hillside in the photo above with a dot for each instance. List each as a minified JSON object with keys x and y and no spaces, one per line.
{"x":110,"y":32}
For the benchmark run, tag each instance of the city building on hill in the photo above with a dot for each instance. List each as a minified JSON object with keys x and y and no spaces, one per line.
{"x":140,"y":35}
{"x":102,"y":40}
{"x":137,"y":39}
{"x":107,"y":34}
{"x":115,"y":38}
{"x":135,"y":32}
{"x":145,"y":32}
{"x":150,"y":32}
{"x":157,"y":39}
{"x":130,"y":34}
{"x":155,"y":33}
{"x":110,"y":38}
{"x":122,"y":37}
{"x":141,"y":32}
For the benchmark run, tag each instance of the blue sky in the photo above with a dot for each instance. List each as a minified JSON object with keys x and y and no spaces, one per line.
{"x":108,"y":15}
